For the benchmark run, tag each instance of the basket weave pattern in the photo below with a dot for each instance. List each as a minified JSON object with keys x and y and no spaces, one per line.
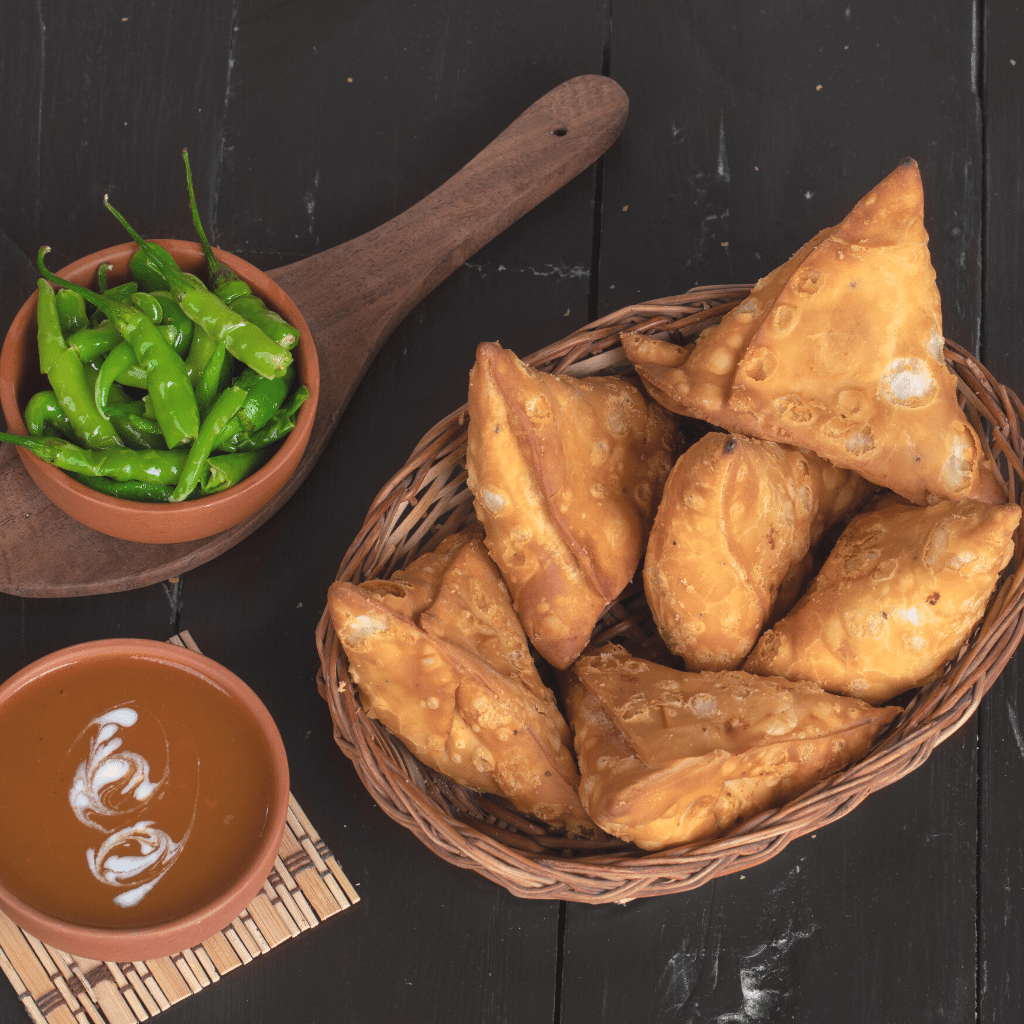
{"x":428,"y":499}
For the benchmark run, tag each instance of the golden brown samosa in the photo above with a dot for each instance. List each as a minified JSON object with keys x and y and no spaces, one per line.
{"x":439,"y":657}
{"x":896,"y":599}
{"x":840,"y":351}
{"x":566,"y":475}
{"x":671,"y":757}
{"x":738,"y":518}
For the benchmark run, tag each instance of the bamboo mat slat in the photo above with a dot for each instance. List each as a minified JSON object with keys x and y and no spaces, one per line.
{"x":305,"y":886}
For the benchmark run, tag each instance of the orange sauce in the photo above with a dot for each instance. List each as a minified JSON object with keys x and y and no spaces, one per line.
{"x":131,"y":792}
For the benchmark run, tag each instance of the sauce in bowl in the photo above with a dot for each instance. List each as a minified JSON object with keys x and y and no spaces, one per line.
{"x":134,"y":790}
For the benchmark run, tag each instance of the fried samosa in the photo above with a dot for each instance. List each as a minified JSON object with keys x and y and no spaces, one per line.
{"x":840,"y":351}
{"x":896,"y":599}
{"x":671,"y":757}
{"x":738,"y":520}
{"x":439,"y":657}
{"x":566,"y":475}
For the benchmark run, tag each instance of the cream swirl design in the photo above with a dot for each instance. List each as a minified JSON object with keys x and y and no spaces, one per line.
{"x":112,"y":786}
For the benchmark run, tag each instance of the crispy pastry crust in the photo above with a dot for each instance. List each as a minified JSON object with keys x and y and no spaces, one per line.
{"x":840,"y":351}
{"x":672,"y":757}
{"x":439,"y":657}
{"x":897,"y":598}
{"x":738,"y":519}
{"x":566,"y":476}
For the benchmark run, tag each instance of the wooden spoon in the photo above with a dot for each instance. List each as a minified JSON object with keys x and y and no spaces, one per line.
{"x":353,"y":296}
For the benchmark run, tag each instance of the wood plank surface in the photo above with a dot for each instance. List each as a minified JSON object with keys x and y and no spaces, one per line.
{"x":1001,"y":718}
{"x":751,"y":126}
{"x":776,"y":122}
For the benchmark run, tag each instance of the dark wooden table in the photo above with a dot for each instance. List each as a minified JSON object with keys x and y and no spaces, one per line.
{"x":751,"y":126}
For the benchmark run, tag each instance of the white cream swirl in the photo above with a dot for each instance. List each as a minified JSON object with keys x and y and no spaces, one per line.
{"x":138,"y":855}
{"x":110,"y":781}
{"x":110,"y":788}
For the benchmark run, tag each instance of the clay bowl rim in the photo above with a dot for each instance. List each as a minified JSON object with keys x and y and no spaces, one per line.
{"x":177,"y":934}
{"x":146,"y":522}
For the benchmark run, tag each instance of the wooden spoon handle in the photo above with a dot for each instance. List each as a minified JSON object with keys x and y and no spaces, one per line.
{"x":373,"y":281}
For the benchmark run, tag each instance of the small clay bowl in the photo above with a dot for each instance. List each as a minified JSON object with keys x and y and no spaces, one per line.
{"x":141,"y":521}
{"x":143,"y":797}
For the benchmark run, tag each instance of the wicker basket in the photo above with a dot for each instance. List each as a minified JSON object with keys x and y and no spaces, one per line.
{"x":428,"y":499}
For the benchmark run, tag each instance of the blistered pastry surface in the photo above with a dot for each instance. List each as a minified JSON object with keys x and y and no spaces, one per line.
{"x":446,"y":668}
{"x":671,"y":757}
{"x":737,"y":519}
{"x":696,"y":379}
{"x":850,"y":358}
{"x":566,"y":475}
{"x":896,"y":599}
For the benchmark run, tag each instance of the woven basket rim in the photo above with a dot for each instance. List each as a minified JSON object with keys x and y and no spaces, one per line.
{"x":427,"y":500}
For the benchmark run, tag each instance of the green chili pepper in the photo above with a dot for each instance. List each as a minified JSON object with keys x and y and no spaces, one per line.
{"x":133,"y":406}
{"x":131,"y":490}
{"x":49,"y":336}
{"x":117,"y":362}
{"x":92,"y":342}
{"x":121,"y":292}
{"x":231,"y":289}
{"x":204,"y":345}
{"x":134,"y":375}
{"x":244,"y":340}
{"x":175,"y":316}
{"x":236,"y":439}
{"x":224,"y":471}
{"x":146,"y":271}
{"x":145,"y":303}
{"x":254,"y":309}
{"x":117,"y":394}
{"x":215,"y":377}
{"x":67,"y":376}
{"x":266,"y":396}
{"x":227,"y":404}
{"x":71,"y":311}
{"x":137,"y":430}
{"x":75,"y":394}
{"x":173,"y":399}
{"x":116,"y":463}
{"x":44,"y":416}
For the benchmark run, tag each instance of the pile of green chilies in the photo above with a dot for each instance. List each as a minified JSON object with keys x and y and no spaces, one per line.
{"x":161,"y":388}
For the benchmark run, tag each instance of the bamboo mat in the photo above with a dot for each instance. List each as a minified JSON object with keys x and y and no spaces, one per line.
{"x":305,"y":887}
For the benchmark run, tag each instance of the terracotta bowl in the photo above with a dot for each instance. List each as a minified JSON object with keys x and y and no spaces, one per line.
{"x":140,"y":521}
{"x":143,"y":797}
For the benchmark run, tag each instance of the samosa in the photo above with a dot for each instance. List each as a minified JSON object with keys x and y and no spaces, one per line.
{"x":733,"y":539}
{"x":566,"y":475}
{"x":671,"y":757}
{"x":840,"y":351}
{"x":439,"y":657}
{"x":896,"y":599}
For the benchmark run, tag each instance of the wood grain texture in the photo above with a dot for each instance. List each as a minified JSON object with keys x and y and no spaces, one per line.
{"x":1001,"y":718}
